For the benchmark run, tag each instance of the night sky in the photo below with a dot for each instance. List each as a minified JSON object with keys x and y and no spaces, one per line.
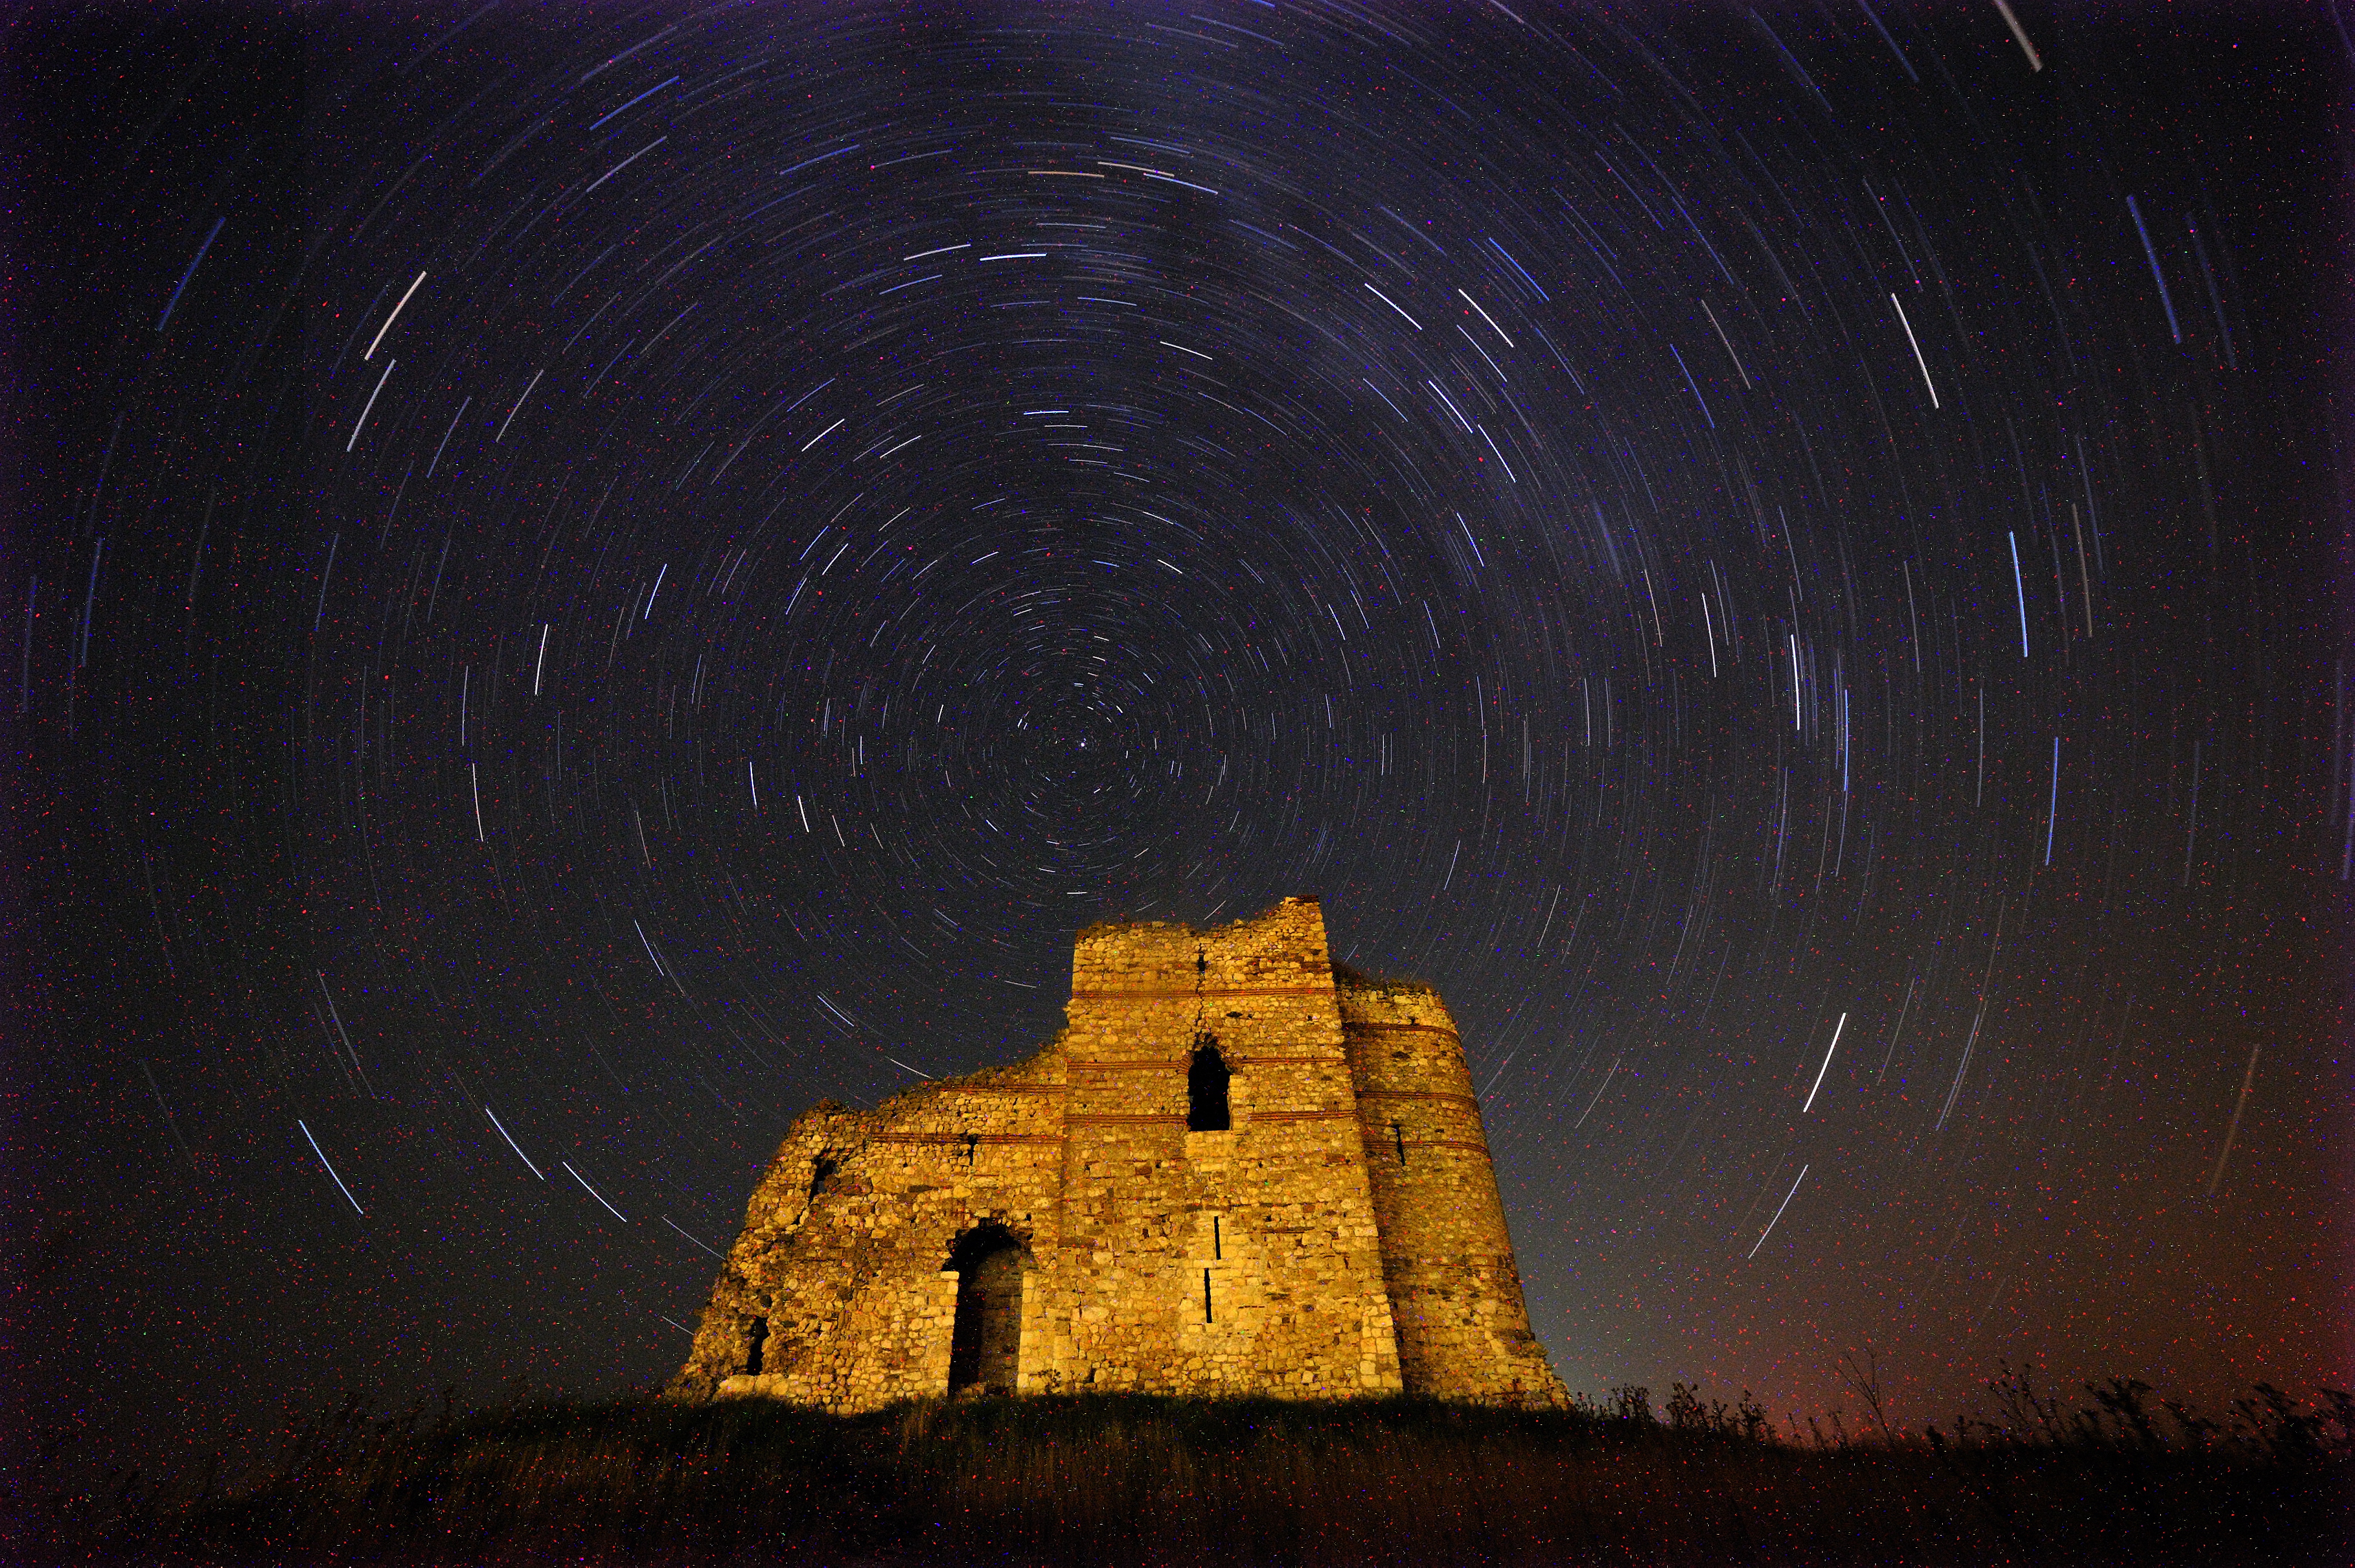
{"x":583,"y":582}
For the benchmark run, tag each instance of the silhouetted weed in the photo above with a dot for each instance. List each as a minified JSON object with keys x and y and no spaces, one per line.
{"x":1140,"y":1479}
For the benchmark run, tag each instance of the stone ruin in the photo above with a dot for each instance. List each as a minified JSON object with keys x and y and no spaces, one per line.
{"x":1241,"y":1168}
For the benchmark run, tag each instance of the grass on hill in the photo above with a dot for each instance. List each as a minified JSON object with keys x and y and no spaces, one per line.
{"x":1139,"y":1479}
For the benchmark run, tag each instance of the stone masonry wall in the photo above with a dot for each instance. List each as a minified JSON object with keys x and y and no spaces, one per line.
{"x":1274,"y":1217}
{"x":1267,"y":1258}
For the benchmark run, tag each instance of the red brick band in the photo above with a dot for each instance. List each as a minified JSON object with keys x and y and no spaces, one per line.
{"x":1418,"y":1094}
{"x":961,"y":1139}
{"x":1124,"y":1119}
{"x":1480,"y":1149}
{"x":1349,"y":1023}
{"x":1170,"y":1064}
{"x":1276,"y":1060}
{"x":1207,"y":991}
{"x":1302,"y":1115}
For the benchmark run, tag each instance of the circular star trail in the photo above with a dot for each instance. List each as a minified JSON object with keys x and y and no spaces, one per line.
{"x":588,"y":581}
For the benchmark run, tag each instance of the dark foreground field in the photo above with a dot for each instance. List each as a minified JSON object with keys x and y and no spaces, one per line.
{"x":1142,"y":1480}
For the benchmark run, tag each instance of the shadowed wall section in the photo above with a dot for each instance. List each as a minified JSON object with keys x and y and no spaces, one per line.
{"x":1101,"y":1232}
{"x":985,"y":1342}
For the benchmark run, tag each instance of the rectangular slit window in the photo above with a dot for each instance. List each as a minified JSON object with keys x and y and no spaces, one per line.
{"x":1206,"y":1296}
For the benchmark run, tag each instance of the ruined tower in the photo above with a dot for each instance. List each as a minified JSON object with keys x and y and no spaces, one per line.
{"x":1240,"y":1168}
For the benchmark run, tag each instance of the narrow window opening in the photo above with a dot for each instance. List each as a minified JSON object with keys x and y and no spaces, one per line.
{"x":1206,"y":1296}
{"x":1206,"y":1088}
{"x":971,"y":1144}
{"x":1214,"y":1238}
{"x":821,"y":1173}
{"x":1398,"y":1136}
{"x":760,"y":1342}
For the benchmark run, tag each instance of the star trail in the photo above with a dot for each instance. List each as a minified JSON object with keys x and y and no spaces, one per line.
{"x":590,"y":577}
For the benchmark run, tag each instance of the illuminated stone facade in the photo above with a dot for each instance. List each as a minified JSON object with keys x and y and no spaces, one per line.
{"x":1241,"y":1168}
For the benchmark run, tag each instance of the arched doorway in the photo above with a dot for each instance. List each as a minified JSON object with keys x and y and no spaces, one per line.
{"x":985,"y":1341}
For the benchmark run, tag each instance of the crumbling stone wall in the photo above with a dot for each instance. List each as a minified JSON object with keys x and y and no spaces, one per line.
{"x":1060,"y":1221}
{"x":842,"y":1276}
